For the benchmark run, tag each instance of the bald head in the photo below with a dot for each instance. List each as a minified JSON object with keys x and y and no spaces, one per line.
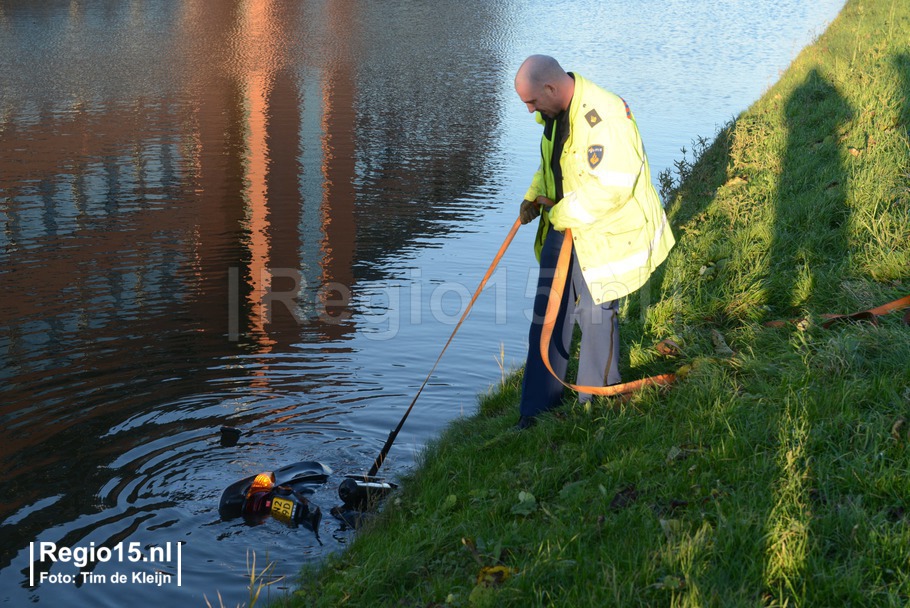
{"x":539,"y":70}
{"x":543,"y":85}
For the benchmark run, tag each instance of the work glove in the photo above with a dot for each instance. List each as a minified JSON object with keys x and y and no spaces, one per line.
{"x":528,"y":211}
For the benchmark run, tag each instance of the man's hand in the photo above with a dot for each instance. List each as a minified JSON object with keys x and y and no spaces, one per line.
{"x":528,"y":211}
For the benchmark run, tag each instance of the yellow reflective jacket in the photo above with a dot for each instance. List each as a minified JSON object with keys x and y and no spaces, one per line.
{"x":618,"y":224}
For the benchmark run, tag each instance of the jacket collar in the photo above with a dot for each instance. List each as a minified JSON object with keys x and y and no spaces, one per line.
{"x":577,"y":96}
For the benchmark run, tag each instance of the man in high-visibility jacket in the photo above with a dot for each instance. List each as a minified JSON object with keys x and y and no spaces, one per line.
{"x":593,"y":178}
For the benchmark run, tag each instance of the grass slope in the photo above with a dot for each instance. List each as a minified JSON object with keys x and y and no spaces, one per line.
{"x":776,"y":472}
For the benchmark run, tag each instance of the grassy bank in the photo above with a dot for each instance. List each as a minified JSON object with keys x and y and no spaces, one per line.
{"x":776,"y":472}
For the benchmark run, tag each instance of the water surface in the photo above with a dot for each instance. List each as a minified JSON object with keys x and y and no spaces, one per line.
{"x":270,"y":215}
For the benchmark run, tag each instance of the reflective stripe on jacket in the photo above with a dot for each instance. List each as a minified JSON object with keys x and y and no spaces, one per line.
{"x":619,"y":227}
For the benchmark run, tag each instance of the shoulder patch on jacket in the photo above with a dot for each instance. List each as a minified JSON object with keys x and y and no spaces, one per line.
{"x":595,"y":155}
{"x":628,"y":111}
{"x":593,"y":118}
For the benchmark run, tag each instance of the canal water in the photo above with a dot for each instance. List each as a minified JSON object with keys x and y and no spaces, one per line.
{"x":269,"y":214}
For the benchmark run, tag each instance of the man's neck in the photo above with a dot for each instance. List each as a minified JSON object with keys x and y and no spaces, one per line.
{"x":569,"y":91}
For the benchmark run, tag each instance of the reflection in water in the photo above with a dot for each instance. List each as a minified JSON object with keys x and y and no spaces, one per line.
{"x":257,"y":86}
{"x":199,"y":211}
{"x":338,"y":154}
{"x":180,"y":249}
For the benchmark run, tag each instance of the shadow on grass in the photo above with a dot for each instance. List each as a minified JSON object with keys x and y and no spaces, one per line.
{"x":809,"y":248}
{"x":902,"y":64}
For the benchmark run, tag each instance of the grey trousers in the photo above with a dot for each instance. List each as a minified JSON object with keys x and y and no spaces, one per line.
{"x":598,"y":363}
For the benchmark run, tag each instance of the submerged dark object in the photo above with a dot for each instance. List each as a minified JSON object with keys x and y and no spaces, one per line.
{"x":361,"y":495}
{"x":351,"y":518}
{"x":229,"y":436}
{"x":362,"y":492}
{"x":279,"y":494}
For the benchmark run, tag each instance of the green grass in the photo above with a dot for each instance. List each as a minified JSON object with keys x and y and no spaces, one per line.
{"x":772,"y":475}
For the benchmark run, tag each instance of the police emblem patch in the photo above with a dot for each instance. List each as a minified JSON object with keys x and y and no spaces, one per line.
{"x":593,"y":118}
{"x":595,"y":155}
